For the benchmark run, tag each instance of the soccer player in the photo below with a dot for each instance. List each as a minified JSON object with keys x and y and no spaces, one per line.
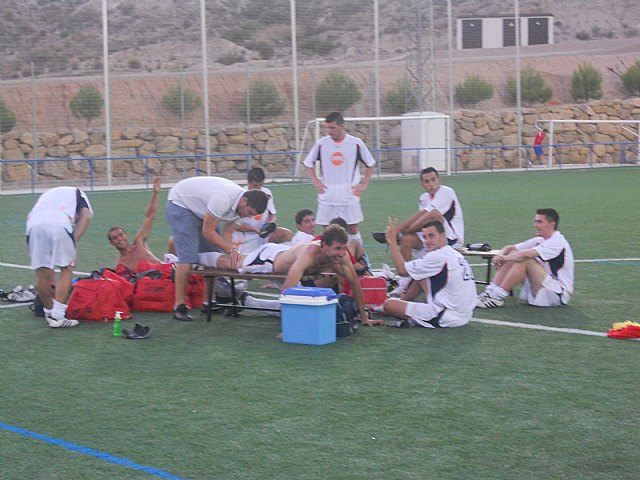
{"x":132,"y":253}
{"x":54,"y":227}
{"x":543,"y":264}
{"x":442,"y":273}
{"x":195,"y":208}
{"x":306,"y":223}
{"x":314,"y":258}
{"x":340,"y":188}
{"x":247,"y":234}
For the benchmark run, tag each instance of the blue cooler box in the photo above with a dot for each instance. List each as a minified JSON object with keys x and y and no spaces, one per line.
{"x":309,"y":315}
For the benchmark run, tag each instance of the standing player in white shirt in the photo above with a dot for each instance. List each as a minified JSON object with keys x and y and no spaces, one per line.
{"x":543,"y":264}
{"x":54,"y":227}
{"x":442,"y":273}
{"x":340,"y":188}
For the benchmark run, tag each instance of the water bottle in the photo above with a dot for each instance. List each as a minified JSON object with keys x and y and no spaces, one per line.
{"x":117,"y":324}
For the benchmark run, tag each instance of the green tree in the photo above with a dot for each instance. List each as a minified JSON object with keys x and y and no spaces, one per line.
{"x":631,"y":79}
{"x":586,"y":83}
{"x":87,"y":104}
{"x":402,"y":98}
{"x":7,"y":117}
{"x":533,"y":87}
{"x":473,"y":90}
{"x":191,"y":101}
{"x":336,"y":92}
{"x":264,"y":100}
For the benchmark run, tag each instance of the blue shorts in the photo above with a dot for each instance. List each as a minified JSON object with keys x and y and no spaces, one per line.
{"x":537,"y":149}
{"x":186,"y":229}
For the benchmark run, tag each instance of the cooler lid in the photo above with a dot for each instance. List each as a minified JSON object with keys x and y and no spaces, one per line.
{"x":311,"y":292}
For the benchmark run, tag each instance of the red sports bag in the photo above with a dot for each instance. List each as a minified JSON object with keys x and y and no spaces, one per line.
{"x":97,"y":300}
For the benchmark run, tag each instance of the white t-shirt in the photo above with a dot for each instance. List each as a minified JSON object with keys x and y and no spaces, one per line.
{"x":446,"y":202}
{"x":58,"y":206}
{"x":300,"y":237}
{"x":215,"y":195}
{"x":451,"y":281}
{"x":339,"y":166}
{"x":556,"y":255}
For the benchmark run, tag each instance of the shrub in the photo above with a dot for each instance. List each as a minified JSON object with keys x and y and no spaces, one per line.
{"x":336,"y":92}
{"x":316,"y":45}
{"x":134,"y":63}
{"x":583,"y":35}
{"x":402,"y":98}
{"x":586,"y":83}
{"x":473,"y":90}
{"x":534,"y":88}
{"x":87,"y":103}
{"x":264,"y":100}
{"x":191,"y":101}
{"x":631,"y":79}
{"x":7,"y":117}
{"x":265,"y":49}
{"x":231,"y":58}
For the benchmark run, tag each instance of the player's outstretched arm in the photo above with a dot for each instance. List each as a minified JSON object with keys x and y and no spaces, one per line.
{"x":150,"y":214}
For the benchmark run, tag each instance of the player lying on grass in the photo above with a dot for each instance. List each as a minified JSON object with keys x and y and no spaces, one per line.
{"x":329,"y":255}
{"x":442,"y":274}
{"x":543,"y":264}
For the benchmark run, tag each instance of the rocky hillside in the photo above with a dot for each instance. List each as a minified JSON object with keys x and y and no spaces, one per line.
{"x":63,"y":37}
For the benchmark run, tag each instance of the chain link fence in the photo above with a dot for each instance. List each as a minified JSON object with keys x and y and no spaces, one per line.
{"x":67,"y":115}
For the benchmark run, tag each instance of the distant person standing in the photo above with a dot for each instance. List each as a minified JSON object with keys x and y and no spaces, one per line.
{"x":341,"y":186}
{"x":54,"y":227}
{"x":537,"y":145}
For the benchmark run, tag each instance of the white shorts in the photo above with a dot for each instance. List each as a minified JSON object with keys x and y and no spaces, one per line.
{"x":351,"y":213}
{"x":247,"y":242}
{"x":51,"y":246}
{"x":552,"y":293}
{"x":429,"y":315}
{"x":261,"y":260}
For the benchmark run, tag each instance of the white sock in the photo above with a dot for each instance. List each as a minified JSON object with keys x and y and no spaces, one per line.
{"x":355,"y":236}
{"x":209,"y":259}
{"x":47,"y":313}
{"x":496,"y":292}
{"x":404,"y":282}
{"x":250,"y":301}
{"x":59,"y":310}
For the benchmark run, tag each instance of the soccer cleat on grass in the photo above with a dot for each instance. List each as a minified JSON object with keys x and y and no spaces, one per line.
{"x":61,"y":323}
{"x":182,"y":313}
{"x":398,"y":324}
{"x":21,"y":295}
{"x":379,"y":237}
{"x":487,"y":301}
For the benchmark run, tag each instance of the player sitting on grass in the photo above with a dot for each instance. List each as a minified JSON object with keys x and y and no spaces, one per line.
{"x":442,"y":273}
{"x":543,"y":264}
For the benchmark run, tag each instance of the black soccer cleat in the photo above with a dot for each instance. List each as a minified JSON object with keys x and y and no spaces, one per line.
{"x":379,"y":237}
{"x":267,"y":229}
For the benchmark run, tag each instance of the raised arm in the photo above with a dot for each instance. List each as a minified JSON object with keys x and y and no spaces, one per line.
{"x":150,"y":214}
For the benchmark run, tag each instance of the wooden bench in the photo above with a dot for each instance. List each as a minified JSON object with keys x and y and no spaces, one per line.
{"x":233,"y":308}
{"x":488,"y":256}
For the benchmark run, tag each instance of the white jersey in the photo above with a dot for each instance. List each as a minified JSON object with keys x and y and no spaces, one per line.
{"x":556,"y":255}
{"x":339,"y":166}
{"x":300,"y":237}
{"x":451,"y":281}
{"x":446,"y":202}
{"x":58,"y":206}
{"x":214,"y":195}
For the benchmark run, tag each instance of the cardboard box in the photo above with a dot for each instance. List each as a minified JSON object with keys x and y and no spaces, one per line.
{"x":308,"y":315}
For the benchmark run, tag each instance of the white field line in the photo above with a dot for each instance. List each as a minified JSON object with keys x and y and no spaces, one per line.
{"x":15,"y":305}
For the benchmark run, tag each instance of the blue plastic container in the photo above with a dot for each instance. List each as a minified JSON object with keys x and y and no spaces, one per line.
{"x":308,"y":315}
